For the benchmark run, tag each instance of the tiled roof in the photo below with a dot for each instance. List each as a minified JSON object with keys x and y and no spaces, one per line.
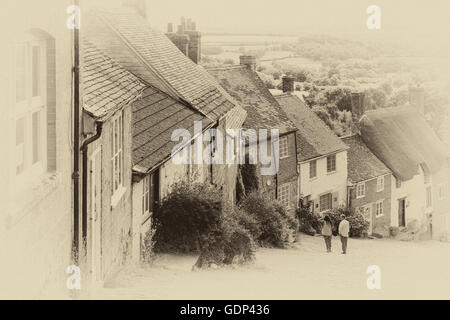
{"x":155,"y":116}
{"x":401,"y":138}
{"x":314,"y":138}
{"x":149,"y":54}
{"x":244,"y":85}
{"x":106,"y":85}
{"x":362,"y":163}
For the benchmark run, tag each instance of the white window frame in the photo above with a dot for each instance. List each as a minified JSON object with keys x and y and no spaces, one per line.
{"x":26,"y":109}
{"x":379,"y":208}
{"x":284,"y":194}
{"x":117,"y":185}
{"x":331,"y":202}
{"x":334,"y":161}
{"x":380,"y":184}
{"x":146,"y":195}
{"x":284,"y":147}
{"x":360,"y":190}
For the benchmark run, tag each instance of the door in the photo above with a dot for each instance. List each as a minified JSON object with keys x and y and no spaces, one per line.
{"x":96,"y":215}
{"x":401,"y":213}
{"x":367,"y":213}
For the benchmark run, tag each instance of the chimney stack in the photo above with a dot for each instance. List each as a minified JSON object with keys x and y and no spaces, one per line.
{"x":248,"y":61}
{"x":288,"y":84}
{"x":358,"y":104}
{"x":170,"y":27}
{"x":417,"y":98}
{"x":187,"y":39}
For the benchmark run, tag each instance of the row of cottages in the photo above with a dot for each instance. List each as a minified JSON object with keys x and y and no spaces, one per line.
{"x":131,"y":169}
{"x":35,"y":135}
{"x":322,"y":156}
{"x":369,"y":185}
{"x":409,"y":185}
{"x":264,"y":112}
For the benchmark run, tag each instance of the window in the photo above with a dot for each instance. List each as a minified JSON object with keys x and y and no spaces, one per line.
{"x":284,"y":147}
{"x":379,"y":208}
{"x":148,"y":199}
{"x":312,"y":169}
{"x":428,"y":197}
{"x":360,"y":190}
{"x":325,"y":202}
{"x":331,"y":163}
{"x":283,"y":194}
{"x":117,"y":152}
{"x":380,"y":184}
{"x":30,"y":110}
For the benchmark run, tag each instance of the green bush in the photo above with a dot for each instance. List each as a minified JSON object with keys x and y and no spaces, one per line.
{"x":229,"y":243}
{"x":186,"y":215}
{"x":274,"y":227}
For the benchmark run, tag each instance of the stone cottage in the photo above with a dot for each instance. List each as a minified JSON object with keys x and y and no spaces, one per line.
{"x":264,"y":112}
{"x":322,"y":156}
{"x":369,"y":185}
{"x":178,"y":92}
{"x":419,"y":161}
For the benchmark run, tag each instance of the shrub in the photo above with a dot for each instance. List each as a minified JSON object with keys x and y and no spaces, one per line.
{"x":148,"y":245}
{"x":230,"y":242}
{"x":275,"y":227}
{"x":358,"y":224}
{"x":309,"y":222}
{"x":195,"y":217}
{"x":186,"y":215}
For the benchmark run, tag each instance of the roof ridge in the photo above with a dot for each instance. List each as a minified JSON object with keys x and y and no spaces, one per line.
{"x":224,"y":68}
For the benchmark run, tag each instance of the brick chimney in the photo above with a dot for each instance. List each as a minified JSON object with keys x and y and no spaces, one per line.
{"x":358,"y":104}
{"x":417,"y":98}
{"x":187,"y":38}
{"x":249,"y":61}
{"x":288,"y":84}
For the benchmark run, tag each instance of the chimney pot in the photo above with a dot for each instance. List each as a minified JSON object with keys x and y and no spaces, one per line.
{"x":249,"y":61}
{"x":170,"y":27}
{"x":288,"y":83}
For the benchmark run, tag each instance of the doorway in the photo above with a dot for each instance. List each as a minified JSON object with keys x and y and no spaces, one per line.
{"x":367,"y":213}
{"x":401,"y":212}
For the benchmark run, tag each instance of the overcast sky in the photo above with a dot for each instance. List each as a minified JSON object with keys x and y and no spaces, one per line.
{"x":406,"y":17}
{"x":423,"y":22}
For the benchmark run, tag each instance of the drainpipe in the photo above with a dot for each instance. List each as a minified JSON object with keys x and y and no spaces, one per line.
{"x":84,"y":150}
{"x":76,"y":144}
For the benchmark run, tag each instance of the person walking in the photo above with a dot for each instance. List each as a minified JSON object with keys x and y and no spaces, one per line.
{"x":327,"y":232}
{"x":344,"y":228}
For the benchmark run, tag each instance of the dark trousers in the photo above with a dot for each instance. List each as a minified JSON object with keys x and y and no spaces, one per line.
{"x":328,"y":242}
{"x":344,"y":244}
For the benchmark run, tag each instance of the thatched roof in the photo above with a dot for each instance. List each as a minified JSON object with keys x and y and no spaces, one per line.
{"x":401,"y":138}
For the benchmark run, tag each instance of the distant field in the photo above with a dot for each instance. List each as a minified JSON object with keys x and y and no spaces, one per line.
{"x":245,"y":40}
